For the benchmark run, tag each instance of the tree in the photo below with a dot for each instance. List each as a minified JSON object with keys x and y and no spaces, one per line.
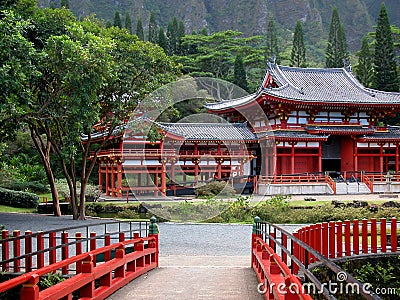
{"x":271,"y":47}
{"x":139,"y":30}
{"x":128,"y":22}
{"x":384,"y":59}
{"x":336,"y":51}
{"x":172,"y":37}
{"x":162,"y":39}
{"x":153,"y":29}
{"x":65,"y":3}
{"x":117,"y":20}
{"x":298,"y":56}
{"x":239,"y":73}
{"x":364,"y":69}
{"x":180,"y":35}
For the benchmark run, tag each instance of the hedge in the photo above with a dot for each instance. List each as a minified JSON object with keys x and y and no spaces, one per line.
{"x":18,"y":199}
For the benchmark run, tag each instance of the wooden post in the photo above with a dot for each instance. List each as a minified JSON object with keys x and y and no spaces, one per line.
{"x":30,"y":290}
{"x":153,"y":232}
{"x":40,"y":246}
{"x":52,"y":244}
{"x":5,"y":250}
{"x":78,"y":250}
{"x":28,"y":250}
{"x":332,"y":244}
{"x":255,"y":234}
{"x":93,"y":245}
{"x":87,"y":268}
{"x":347,"y":241}
{"x":356,"y":237}
{"x":339,"y":236}
{"x":107,"y":180}
{"x":383,"y":235}
{"x":393,"y":237}
{"x":107,"y":242}
{"x":119,"y":179}
{"x":325,"y":241}
{"x":17,"y":250}
{"x":295,"y":246}
{"x":374,"y":236}
{"x":64,"y":251}
{"x":364,"y":234}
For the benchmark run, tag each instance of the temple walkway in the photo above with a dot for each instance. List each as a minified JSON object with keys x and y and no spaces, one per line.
{"x":195,"y":277}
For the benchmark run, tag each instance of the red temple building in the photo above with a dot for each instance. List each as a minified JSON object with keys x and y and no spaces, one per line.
{"x":304,"y":131}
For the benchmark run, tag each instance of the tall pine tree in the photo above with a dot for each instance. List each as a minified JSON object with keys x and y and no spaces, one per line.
{"x":172,"y":37}
{"x":153,"y":29}
{"x":271,"y":37}
{"x":128,"y":22}
{"x":139,"y":30}
{"x":117,"y":20}
{"x":239,"y":73}
{"x":298,"y":55}
{"x":363,"y":69}
{"x":336,"y":52}
{"x":162,"y":40}
{"x":384,"y":59}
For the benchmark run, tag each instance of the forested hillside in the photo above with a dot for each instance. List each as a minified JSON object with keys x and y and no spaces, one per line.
{"x":247,"y":16}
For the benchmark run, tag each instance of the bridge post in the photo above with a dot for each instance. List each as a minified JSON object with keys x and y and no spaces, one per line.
{"x":255,"y":234}
{"x":30,"y":289}
{"x":153,"y":232}
{"x":5,"y":250}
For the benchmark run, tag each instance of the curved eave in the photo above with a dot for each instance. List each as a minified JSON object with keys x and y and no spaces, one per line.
{"x":301,"y":139}
{"x":339,"y":132}
{"x":378,"y":139}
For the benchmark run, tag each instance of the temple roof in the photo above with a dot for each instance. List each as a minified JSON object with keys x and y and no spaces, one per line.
{"x":299,"y":135}
{"x":339,"y":129}
{"x":391,"y":135}
{"x":210,"y":131}
{"x":318,"y":85}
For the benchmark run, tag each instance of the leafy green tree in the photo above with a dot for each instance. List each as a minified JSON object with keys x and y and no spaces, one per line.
{"x":384,"y":60}
{"x":153,"y":29}
{"x":117,"y":20}
{"x":239,"y":73}
{"x":364,"y":68}
{"x":162,"y":39}
{"x":298,"y":55}
{"x":128,"y":22}
{"x":180,"y":35}
{"x":65,"y":3}
{"x":336,"y":51}
{"x":139,"y":30}
{"x":271,"y":38}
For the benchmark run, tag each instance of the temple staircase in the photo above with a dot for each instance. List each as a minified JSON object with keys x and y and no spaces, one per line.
{"x":352,"y":187}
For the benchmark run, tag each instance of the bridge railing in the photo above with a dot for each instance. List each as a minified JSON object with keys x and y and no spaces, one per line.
{"x":278,"y":255}
{"x":93,"y":273}
{"x":30,"y":251}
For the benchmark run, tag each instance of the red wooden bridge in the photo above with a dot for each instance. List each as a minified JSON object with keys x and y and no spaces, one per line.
{"x":94,"y":266}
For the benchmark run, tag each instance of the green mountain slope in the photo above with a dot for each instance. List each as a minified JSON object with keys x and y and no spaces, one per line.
{"x":248,"y":16}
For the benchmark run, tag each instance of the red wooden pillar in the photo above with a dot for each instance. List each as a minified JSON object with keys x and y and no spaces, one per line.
{"x":284,"y":242}
{"x":381,"y":158}
{"x":374,"y":236}
{"x":292,"y":156}
{"x":107,"y":179}
{"x":107,"y":242}
{"x":364,"y":242}
{"x":325,"y":240}
{"x":28,"y":250}
{"x":355,"y":156}
{"x":339,"y":237}
{"x":119,"y":179}
{"x":52,"y":244}
{"x":383,"y":235}
{"x":40,"y":246}
{"x":356,"y":237}
{"x":64,"y":251}
{"x":397,"y":158}
{"x":113,"y":191}
{"x":88,"y":268}
{"x":163,"y":179}
{"x":93,"y":245}
{"x":347,"y":240}
{"x":320,"y":157}
{"x":17,"y":250}
{"x":296,"y":253}
{"x":5,"y":250}
{"x":100,"y":176}
{"x":393,"y":232}
{"x":332,"y":244}
{"x":30,"y":290}
{"x":78,"y":250}
{"x":156,"y":182}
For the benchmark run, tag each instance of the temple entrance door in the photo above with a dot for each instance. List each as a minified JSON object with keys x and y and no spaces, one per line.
{"x":331,"y":159}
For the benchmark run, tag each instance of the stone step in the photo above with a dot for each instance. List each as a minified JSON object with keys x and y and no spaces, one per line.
{"x":343,"y":188}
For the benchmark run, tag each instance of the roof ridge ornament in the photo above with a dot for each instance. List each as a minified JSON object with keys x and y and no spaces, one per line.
{"x":272,"y":59}
{"x":347,"y":64}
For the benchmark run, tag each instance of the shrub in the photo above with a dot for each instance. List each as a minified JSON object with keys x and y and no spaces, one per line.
{"x":18,"y":199}
{"x":214,"y":188}
{"x":28,"y":186}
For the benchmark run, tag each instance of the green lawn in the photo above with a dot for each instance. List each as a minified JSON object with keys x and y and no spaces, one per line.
{"x":4,"y":208}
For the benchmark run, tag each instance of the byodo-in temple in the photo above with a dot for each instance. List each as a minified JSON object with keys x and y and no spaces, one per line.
{"x":304,"y":131}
